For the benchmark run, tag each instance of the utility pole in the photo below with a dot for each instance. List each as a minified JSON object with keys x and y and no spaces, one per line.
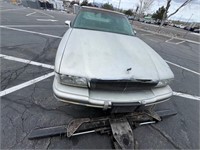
{"x":189,"y":19}
{"x":185,"y":24}
{"x":119,"y":4}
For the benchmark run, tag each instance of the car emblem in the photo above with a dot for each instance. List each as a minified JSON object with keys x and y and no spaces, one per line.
{"x":128,"y":70}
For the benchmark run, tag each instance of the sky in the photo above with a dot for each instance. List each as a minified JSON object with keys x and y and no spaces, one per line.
{"x":190,"y":12}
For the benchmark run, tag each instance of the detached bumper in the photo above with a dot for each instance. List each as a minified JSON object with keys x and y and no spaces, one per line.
{"x":108,"y":99}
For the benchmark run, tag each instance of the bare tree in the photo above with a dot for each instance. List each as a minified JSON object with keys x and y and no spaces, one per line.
{"x":144,"y":5}
{"x":165,"y":16}
{"x":184,"y":4}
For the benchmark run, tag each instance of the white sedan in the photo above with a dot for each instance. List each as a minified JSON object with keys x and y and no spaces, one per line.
{"x":101,"y":63}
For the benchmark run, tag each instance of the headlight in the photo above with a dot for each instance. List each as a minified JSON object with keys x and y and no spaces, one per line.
{"x":164,"y":82}
{"x":73,"y":80}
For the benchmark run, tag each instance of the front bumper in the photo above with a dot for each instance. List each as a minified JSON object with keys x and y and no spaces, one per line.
{"x":109,"y":99}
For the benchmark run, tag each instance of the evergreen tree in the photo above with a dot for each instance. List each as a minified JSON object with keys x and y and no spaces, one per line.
{"x":108,"y":6}
{"x":158,"y":15}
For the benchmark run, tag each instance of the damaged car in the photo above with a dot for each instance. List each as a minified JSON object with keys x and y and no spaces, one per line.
{"x":101,"y":63}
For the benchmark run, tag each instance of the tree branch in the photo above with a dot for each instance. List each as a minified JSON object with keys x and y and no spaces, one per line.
{"x":185,"y":3}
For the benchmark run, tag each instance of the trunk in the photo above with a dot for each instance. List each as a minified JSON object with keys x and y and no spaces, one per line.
{"x":161,"y":24}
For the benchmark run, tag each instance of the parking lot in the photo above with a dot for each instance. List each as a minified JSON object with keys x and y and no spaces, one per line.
{"x":29,"y":41}
{"x":168,"y":31}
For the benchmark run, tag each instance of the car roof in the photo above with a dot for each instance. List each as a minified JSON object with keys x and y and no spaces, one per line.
{"x":100,"y":9}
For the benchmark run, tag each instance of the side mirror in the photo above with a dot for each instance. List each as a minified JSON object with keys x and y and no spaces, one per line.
{"x":67,"y":22}
{"x":135,"y":32}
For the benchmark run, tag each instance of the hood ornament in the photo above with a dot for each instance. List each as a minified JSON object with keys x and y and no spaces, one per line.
{"x":128,"y":70}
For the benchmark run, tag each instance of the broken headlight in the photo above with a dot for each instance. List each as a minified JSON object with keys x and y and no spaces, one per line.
{"x":164,"y":82}
{"x":73,"y":80}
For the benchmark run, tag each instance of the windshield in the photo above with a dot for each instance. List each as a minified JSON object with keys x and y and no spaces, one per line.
{"x":103,"y":21}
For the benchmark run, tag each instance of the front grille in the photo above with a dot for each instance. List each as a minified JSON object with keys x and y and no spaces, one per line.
{"x":120,"y":85}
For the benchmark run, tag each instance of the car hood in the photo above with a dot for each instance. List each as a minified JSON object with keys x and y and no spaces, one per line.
{"x":110,"y":56}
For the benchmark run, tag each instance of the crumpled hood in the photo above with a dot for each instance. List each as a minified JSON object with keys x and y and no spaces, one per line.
{"x":107,"y":56}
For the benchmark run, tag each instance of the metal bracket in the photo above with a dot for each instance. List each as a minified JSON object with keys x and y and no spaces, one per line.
{"x":122,"y":132}
{"x":74,"y":125}
{"x":120,"y":125}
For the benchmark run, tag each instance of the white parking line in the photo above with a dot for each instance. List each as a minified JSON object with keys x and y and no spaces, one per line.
{"x":180,"y":42}
{"x":11,"y":9}
{"x":26,"y":61}
{"x":45,"y":14}
{"x":25,"y":84}
{"x":28,"y":26}
{"x":38,"y":33}
{"x":186,"y":96}
{"x":192,"y":71}
{"x":52,"y":20}
{"x":31,"y":13}
{"x":169,"y":41}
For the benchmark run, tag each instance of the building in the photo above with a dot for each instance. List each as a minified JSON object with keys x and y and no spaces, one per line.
{"x":31,"y":3}
{"x":57,"y":4}
{"x":44,"y":4}
{"x":67,"y":3}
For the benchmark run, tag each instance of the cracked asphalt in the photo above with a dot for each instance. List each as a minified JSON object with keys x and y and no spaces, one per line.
{"x":35,"y":106}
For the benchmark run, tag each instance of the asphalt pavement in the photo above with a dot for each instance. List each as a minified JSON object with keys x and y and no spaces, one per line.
{"x":168,"y":30}
{"x":29,"y":41}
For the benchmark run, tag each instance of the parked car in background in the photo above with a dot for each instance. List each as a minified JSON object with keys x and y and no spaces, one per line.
{"x":153,"y":21}
{"x":150,"y":21}
{"x":141,"y":20}
{"x":147,"y":21}
{"x":181,"y":26}
{"x":171,"y":24}
{"x":159,"y":22}
{"x":96,"y":66}
{"x":176,"y":25}
{"x":189,"y":28}
{"x":196,"y":30}
{"x":131,"y":17}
